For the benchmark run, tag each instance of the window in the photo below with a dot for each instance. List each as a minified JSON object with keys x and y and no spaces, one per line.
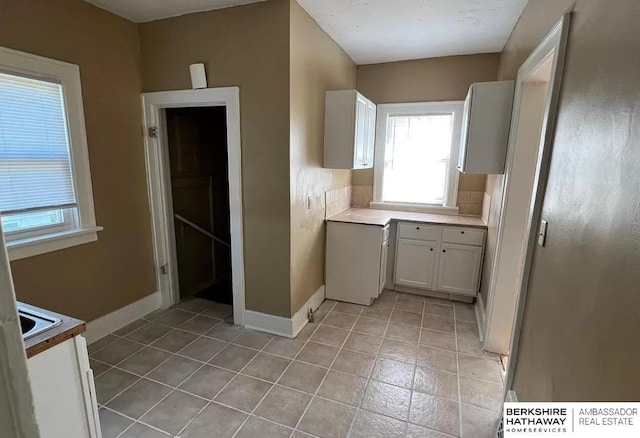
{"x":417,"y":147}
{"x":46,"y":200}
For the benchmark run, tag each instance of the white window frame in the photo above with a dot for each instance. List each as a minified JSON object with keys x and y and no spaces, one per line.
{"x":453,"y":176}
{"x":85,"y":229}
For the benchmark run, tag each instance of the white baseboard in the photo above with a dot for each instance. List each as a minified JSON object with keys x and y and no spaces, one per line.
{"x":262,"y":322}
{"x":278,"y":325}
{"x":107,"y":324}
{"x":300,"y":319}
{"x":481,"y":316}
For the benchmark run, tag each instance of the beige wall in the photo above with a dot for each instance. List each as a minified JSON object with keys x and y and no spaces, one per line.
{"x":579,"y":337}
{"x":91,"y":280}
{"x":318,"y":64}
{"x":425,"y":80}
{"x":245,"y":46}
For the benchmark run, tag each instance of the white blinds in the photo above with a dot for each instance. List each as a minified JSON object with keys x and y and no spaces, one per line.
{"x":35,"y":164}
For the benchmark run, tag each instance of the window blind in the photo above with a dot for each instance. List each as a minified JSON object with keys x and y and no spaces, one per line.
{"x":35,"y":162}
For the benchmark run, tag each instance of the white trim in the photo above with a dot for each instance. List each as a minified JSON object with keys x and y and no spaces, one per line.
{"x":20,"y":249}
{"x":263,"y":322}
{"x":481,"y":315}
{"x":156,"y":155}
{"x":69,"y":76}
{"x":453,"y":176}
{"x":397,"y":206}
{"x":87,"y":383}
{"x":109,"y":323}
{"x":300,"y":318}
{"x":278,"y":325}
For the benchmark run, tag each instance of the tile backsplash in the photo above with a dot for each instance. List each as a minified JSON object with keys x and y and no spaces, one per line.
{"x":337,"y":200}
{"x":361,"y":196}
{"x":469,"y":202}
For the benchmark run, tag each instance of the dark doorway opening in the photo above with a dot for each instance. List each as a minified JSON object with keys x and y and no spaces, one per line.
{"x":197,"y":140}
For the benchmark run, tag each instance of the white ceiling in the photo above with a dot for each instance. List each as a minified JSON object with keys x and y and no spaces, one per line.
{"x":140,"y":11}
{"x":373,"y":31}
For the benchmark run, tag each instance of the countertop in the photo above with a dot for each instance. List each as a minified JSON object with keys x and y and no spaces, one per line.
{"x":69,"y":328}
{"x":369,"y":216}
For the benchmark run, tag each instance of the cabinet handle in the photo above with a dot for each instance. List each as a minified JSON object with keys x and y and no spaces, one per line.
{"x":461,"y":232}
{"x":444,"y":250}
{"x":431,"y":249}
{"x":417,"y":228}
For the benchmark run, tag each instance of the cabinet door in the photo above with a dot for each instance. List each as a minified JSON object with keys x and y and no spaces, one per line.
{"x":361,"y":133}
{"x":371,"y":135}
{"x":415,"y":263}
{"x":459,"y":268}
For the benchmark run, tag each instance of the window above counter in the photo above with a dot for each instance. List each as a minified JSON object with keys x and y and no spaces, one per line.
{"x":416,"y":157}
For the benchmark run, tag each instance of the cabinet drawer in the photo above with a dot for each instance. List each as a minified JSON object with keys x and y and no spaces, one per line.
{"x":463,"y":236}
{"x":419,"y":232}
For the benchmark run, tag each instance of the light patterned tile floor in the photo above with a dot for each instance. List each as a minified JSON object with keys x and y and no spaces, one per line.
{"x":408,"y":366}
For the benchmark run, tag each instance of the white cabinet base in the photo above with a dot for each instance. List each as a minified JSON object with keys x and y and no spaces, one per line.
{"x":63,"y":393}
{"x":433,"y":294}
{"x":353,"y":262}
{"x":441,"y":261}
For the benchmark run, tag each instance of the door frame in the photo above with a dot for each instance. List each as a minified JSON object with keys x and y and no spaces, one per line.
{"x":159,"y":186}
{"x":554,"y":44}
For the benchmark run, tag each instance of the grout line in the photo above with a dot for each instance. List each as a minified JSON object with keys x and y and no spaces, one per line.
{"x":455,"y":332}
{"x":173,"y":389}
{"x":326,"y":374}
{"x":376,"y":358}
{"x":375,"y":362}
{"x":177,"y":388}
{"x":415,"y":369}
{"x":159,"y":365}
{"x":291,"y":361}
{"x":228,"y":383}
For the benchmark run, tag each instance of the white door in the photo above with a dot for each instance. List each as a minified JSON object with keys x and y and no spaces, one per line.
{"x":415,"y":263}
{"x":459,"y":268}
{"x":361,"y":133}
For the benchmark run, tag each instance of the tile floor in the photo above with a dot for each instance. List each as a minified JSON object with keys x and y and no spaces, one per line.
{"x":407,"y":366}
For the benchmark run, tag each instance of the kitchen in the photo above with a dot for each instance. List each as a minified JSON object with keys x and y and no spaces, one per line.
{"x":377,"y":286}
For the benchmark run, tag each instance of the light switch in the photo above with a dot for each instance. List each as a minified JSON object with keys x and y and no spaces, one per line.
{"x":542,"y":234}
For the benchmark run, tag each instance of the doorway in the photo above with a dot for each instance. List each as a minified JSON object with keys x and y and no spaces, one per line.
{"x":198,"y":164}
{"x":192,"y":151}
{"x":528,"y":157}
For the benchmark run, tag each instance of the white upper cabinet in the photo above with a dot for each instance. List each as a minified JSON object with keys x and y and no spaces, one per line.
{"x":485,"y":127}
{"x":349,"y":130}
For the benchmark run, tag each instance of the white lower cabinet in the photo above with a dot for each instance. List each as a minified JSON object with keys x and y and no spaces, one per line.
{"x":64,"y":392}
{"x":428,"y":257}
{"x":439,"y":258}
{"x":416,"y":263}
{"x":355,"y":255}
{"x":459,"y":268}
